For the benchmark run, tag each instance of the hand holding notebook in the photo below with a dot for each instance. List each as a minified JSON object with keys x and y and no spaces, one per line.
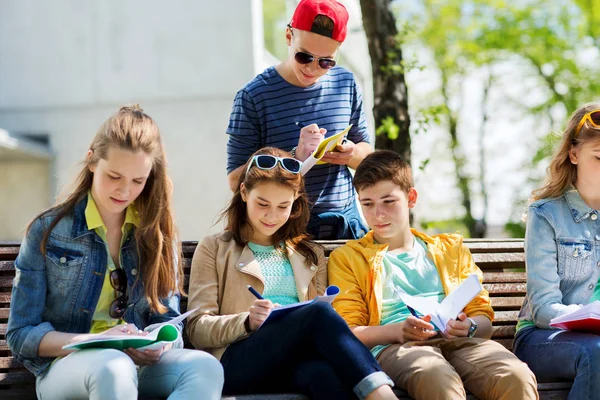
{"x":160,"y":335}
{"x":327,"y":145}
{"x":330,"y":293}
{"x":450,"y":307}
{"x":586,"y":319}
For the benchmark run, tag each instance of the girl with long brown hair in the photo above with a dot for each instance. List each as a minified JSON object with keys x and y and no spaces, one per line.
{"x":105,"y":260}
{"x":562,"y":250}
{"x":310,"y":349}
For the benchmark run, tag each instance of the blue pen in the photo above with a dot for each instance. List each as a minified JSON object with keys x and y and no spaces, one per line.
{"x":412,"y":311}
{"x":254,"y":292}
{"x":299,"y":124}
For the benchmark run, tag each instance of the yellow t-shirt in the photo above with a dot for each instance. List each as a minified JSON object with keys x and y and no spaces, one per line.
{"x":101,"y":321}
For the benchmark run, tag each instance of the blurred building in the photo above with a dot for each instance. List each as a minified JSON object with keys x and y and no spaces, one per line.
{"x":67,"y":65}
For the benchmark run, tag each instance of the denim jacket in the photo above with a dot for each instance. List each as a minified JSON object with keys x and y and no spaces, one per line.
{"x":562,"y":252}
{"x":60,"y":291}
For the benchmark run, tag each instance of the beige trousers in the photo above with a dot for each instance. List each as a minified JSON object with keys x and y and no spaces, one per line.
{"x":438,"y":368}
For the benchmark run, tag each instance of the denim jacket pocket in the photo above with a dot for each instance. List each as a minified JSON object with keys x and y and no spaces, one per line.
{"x":575,"y":259}
{"x":62,"y":268}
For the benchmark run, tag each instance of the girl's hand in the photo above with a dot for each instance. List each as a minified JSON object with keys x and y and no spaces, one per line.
{"x":416,"y":329}
{"x":120,"y":330}
{"x":146,"y":357}
{"x":459,"y":327}
{"x":259,"y":313}
{"x":310,"y":138}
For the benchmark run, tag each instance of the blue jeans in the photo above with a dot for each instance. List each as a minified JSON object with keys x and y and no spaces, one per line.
{"x":311,"y":350}
{"x":562,"y":355}
{"x":107,"y":374}
{"x":346,"y":224}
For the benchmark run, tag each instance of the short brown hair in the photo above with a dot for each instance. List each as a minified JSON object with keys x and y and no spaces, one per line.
{"x":383,"y":165}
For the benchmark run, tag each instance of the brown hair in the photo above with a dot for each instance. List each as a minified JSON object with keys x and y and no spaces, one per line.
{"x":561,"y":172}
{"x":131,"y":129}
{"x":383,"y":165}
{"x":293,"y":232}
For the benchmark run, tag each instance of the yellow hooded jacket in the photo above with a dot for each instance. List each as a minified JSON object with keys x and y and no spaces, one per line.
{"x":356,"y":268}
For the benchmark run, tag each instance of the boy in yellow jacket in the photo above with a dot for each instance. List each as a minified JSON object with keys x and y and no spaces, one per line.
{"x":393,"y":258}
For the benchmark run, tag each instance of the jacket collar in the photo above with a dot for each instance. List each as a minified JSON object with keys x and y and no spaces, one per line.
{"x":79,"y":222}
{"x":579,"y":210}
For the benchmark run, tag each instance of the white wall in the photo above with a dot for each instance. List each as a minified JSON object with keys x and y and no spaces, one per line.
{"x":19,"y":203}
{"x":67,"y":65}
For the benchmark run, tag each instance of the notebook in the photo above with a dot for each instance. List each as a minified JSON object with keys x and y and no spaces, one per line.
{"x":330,"y":293}
{"x":328,"y":144}
{"x":450,"y":307}
{"x":586,"y":319}
{"x":160,"y":336}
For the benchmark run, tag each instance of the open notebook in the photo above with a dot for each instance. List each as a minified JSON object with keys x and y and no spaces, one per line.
{"x":160,"y":336}
{"x":330,"y":293}
{"x":450,"y":307}
{"x":328,"y":144}
{"x":587,"y":319}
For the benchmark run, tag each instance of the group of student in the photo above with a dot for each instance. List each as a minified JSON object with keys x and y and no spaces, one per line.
{"x":107,"y":260}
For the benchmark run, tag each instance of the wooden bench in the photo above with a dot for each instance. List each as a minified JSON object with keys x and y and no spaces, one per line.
{"x":500,"y":260}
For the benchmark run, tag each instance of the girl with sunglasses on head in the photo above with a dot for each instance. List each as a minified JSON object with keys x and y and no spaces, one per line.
{"x":562,"y":250}
{"x":105,"y":260}
{"x":310,"y":349}
{"x":294,"y":105}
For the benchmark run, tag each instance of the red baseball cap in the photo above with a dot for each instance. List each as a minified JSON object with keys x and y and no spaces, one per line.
{"x":307,"y":10}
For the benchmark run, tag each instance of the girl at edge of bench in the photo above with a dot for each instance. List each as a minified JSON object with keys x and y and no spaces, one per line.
{"x":562,"y":250}
{"x":105,"y":256}
{"x":310,"y":350}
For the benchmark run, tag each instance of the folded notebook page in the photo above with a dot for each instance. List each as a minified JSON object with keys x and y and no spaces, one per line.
{"x":161,"y":335}
{"x":586,"y":318}
{"x":450,"y":307}
{"x":330,"y":293}
{"x":328,"y":144}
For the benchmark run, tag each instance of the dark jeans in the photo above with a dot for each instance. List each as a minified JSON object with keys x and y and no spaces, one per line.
{"x":347,"y":224}
{"x":311,"y":350}
{"x":562,"y":355}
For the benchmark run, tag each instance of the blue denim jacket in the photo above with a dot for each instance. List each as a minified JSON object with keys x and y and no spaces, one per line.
{"x":60,"y":291}
{"x":562,"y":252}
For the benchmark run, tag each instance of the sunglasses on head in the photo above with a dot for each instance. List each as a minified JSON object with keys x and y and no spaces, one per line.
{"x":266,"y":161}
{"x":118,"y":280}
{"x":593,"y":117}
{"x":303,"y":57}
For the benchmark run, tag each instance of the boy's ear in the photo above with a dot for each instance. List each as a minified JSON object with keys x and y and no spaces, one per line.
{"x":288,"y":36}
{"x":412,"y":197}
{"x":243,"y":192}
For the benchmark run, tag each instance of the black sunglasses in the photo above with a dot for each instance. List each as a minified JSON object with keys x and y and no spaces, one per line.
{"x":118,"y":280}
{"x":303,"y":57}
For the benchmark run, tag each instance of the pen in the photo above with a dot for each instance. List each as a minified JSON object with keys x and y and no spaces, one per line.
{"x":254,"y":292}
{"x":412,"y":311}
{"x":299,"y":124}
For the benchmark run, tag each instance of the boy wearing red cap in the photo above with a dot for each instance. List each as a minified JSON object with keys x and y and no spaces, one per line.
{"x":296,"y":104}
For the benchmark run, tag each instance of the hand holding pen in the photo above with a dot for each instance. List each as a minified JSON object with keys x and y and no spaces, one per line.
{"x":416,"y":328}
{"x":310,"y":138}
{"x":259,"y":311}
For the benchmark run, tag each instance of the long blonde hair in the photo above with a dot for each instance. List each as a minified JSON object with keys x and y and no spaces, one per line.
{"x":131,"y":129}
{"x":561,"y":172}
